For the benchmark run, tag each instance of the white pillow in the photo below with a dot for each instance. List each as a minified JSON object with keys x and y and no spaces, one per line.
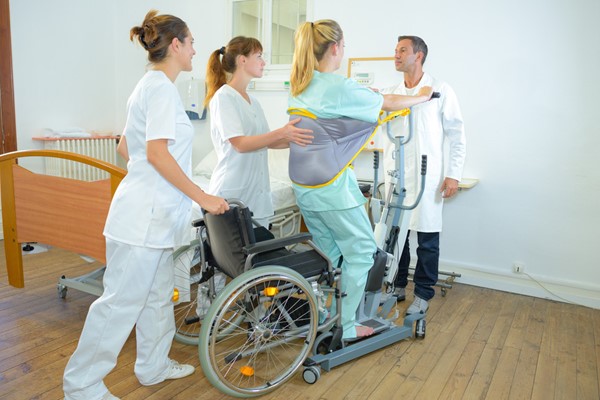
{"x":207,"y":165}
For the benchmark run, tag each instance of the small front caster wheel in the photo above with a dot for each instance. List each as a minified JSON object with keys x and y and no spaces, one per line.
{"x":62,"y":291}
{"x":420,"y":329}
{"x":311,"y":374}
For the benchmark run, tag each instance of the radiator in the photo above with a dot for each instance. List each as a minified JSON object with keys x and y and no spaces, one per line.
{"x":101,"y":148}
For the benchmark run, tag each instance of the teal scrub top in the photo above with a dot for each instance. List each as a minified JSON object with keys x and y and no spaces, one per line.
{"x":333,"y":96}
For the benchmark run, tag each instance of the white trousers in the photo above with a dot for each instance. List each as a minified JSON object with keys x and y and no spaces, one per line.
{"x":138,"y":287}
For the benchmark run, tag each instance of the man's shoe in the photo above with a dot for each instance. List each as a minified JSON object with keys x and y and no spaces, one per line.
{"x":418,"y":306}
{"x":400,"y":293}
{"x":177,"y":370}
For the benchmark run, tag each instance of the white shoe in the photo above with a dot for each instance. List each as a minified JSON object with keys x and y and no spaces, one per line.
{"x":399,"y":293}
{"x":109,"y":396}
{"x":418,"y":306}
{"x":177,"y":370}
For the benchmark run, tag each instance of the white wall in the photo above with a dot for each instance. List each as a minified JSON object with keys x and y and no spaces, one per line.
{"x":74,"y":65}
{"x":206,"y":22}
{"x":526,"y":76}
{"x":525,"y":73}
{"x":63,"y":67}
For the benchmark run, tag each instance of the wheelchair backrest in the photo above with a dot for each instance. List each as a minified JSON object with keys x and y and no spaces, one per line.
{"x":228,"y":233}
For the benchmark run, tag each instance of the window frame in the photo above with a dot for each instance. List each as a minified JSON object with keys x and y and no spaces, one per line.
{"x":267,"y":40}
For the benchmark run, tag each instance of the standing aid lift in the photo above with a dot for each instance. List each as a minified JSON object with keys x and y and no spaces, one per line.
{"x":272,"y":318}
{"x":373,"y":311}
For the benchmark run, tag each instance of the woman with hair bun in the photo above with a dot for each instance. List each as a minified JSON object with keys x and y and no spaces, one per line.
{"x":148,"y":217}
{"x":239,"y":130}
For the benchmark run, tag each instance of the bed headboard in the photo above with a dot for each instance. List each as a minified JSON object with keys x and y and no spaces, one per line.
{"x":61,"y":212}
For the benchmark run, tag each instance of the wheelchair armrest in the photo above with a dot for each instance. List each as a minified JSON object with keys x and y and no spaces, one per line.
{"x":197,"y":222}
{"x":273,"y":244}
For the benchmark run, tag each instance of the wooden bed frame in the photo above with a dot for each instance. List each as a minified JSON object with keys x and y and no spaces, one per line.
{"x":66,"y":213}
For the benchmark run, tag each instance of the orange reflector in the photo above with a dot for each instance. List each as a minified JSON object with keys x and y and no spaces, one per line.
{"x":247,"y":370}
{"x":271,"y":291}
{"x":175,"y":295}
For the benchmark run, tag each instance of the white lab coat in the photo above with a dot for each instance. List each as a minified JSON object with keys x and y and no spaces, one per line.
{"x":436,"y":121}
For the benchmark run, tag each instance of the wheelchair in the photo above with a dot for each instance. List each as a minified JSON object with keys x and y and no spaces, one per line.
{"x":193,"y":282}
{"x":198,"y":280}
{"x":272,"y":317}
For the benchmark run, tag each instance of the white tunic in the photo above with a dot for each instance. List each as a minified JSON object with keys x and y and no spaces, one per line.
{"x":436,"y":121}
{"x":243,"y":176}
{"x":146,"y":209}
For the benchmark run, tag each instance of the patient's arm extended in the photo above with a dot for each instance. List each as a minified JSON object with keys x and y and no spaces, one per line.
{"x":277,"y":139}
{"x":393,"y":102}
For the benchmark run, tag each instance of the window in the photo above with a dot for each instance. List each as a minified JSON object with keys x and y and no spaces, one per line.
{"x":273,"y":22}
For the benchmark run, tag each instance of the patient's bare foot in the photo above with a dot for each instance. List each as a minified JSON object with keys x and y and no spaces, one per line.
{"x":363,"y":331}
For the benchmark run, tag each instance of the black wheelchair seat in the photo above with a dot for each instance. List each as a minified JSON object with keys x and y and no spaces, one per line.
{"x":236,"y":245}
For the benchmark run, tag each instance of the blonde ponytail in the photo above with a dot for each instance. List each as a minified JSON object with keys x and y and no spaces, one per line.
{"x":304,"y":62}
{"x":311,"y":42}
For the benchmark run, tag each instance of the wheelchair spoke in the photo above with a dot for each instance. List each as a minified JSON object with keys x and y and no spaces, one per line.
{"x":261,"y":333}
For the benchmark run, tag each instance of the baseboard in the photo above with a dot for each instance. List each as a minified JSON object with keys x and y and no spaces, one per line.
{"x":565,"y":291}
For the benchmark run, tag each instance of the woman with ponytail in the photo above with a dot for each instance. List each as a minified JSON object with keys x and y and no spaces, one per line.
{"x":333,"y":208}
{"x":148,"y":217}
{"x":239,"y":129}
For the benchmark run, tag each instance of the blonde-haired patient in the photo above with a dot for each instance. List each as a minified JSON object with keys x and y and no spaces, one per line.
{"x":334,"y":212}
{"x":149,"y":216}
{"x":239,"y":130}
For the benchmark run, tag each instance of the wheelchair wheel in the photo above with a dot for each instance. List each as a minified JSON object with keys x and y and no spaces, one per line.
{"x":258,"y":331}
{"x":187,"y":321}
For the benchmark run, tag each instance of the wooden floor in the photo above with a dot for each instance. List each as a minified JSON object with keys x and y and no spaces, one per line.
{"x":480,"y":344}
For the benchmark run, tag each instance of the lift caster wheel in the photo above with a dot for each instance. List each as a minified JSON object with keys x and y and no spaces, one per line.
{"x":62,"y":291}
{"x":420,"y":329}
{"x":311,"y":374}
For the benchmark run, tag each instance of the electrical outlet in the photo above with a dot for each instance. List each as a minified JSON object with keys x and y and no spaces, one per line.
{"x":518,"y":268}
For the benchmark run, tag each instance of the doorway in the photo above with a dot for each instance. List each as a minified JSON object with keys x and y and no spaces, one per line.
{"x":7,"y":101}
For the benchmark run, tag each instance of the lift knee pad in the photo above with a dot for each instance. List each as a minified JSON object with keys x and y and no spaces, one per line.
{"x":377,"y":272}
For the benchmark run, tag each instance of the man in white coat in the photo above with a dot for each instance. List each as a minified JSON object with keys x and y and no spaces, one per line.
{"x":435,"y":122}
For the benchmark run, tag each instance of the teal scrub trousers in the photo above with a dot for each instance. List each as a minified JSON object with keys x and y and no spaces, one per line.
{"x":346,"y":233}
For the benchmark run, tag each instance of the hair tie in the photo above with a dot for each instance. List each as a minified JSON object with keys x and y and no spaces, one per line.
{"x":222,"y":50}
{"x":141,"y":36}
